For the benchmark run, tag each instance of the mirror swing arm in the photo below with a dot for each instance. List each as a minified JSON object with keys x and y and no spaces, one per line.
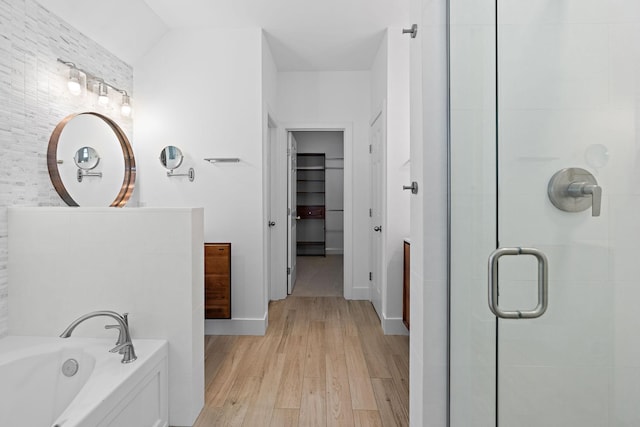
{"x":191,"y":173}
{"x":82,"y":173}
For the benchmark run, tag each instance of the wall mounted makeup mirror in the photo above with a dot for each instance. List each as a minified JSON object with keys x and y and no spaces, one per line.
{"x":171,"y":158}
{"x":87,"y":158}
{"x":93,"y":141}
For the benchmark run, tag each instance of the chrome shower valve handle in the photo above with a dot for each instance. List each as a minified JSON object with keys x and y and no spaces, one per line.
{"x":575,"y":190}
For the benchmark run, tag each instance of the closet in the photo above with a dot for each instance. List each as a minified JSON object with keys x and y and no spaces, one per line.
{"x":310,"y":182}
{"x":319,"y":192}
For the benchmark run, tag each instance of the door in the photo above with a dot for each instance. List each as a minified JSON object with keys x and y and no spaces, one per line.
{"x":292,"y":154}
{"x":376,"y":134}
{"x":545,"y":146}
{"x":275,"y":247}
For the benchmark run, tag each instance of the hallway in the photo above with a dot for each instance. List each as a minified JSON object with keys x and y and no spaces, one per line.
{"x":323,"y":362}
{"x":319,"y":276}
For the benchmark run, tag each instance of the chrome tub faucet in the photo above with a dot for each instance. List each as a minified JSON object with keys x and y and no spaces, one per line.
{"x":123,"y":346}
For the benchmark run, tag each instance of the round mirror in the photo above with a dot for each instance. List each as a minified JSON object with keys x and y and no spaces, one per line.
{"x":86,"y":158}
{"x":81,"y":137}
{"x":171,"y":157}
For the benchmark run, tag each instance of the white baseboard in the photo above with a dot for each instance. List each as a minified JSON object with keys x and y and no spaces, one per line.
{"x":394,"y":326}
{"x":361,"y":293}
{"x":235,"y":326}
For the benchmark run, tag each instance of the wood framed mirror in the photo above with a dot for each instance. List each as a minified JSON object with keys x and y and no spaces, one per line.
{"x":89,"y":129}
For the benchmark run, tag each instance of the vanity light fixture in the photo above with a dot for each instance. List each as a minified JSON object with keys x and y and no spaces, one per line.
{"x":125,"y":108}
{"x":103,"y":94}
{"x":95,"y":84}
{"x":74,"y":81}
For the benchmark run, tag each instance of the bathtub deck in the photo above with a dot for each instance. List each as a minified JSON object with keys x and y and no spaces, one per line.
{"x":323,"y":362}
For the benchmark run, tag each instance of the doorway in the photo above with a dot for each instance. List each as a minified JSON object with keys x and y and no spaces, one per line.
{"x":317,"y":197}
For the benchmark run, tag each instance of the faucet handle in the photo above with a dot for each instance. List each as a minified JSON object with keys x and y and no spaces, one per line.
{"x":575,"y":190}
{"x":120,"y":333}
{"x":582,"y":189}
{"x":596,"y":198}
{"x":127,"y":351}
{"x":120,"y":347}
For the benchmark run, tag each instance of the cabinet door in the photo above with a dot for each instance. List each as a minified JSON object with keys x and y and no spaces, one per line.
{"x":217,"y":280}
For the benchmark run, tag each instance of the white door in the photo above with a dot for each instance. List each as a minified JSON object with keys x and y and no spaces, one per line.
{"x":376,"y":135}
{"x":275,"y":264}
{"x":292,"y":153}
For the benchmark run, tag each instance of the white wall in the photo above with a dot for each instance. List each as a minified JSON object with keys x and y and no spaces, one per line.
{"x":390,"y":92}
{"x":337,"y":97}
{"x":34,"y":98}
{"x":428,"y":343}
{"x":207,"y":100}
{"x":147,"y":262}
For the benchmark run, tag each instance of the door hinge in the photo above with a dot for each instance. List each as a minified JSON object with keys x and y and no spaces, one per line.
{"x":370,"y":213}
{"x":370,"y":276}
{"x":288,"y":151}
{"x":288,"y":270}
{"x":289,"y":211}
{"x":370,"y":148}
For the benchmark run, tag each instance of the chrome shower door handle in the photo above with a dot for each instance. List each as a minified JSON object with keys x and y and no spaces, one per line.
{"x":543,"y":284}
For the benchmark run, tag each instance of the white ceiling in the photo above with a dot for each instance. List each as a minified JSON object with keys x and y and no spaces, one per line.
{"x":304,"y":35}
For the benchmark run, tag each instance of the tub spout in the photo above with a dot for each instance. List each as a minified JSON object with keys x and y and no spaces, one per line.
{"x":124,"y":345}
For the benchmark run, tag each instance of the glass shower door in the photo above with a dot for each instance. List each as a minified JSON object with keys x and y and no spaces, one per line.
{"x":555,"y":84}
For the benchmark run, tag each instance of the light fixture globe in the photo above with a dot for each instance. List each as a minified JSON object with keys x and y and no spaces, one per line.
{"x":125,"y":108}
{"x":74,"y":82}
{"x":103,"y":94}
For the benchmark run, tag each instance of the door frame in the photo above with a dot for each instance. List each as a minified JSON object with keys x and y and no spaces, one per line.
{"x":274,"y":165}
{"x":347,"y":130}
{"x":380,"y":115}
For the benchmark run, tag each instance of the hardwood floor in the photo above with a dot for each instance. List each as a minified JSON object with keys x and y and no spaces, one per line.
{"x":323,"y":362}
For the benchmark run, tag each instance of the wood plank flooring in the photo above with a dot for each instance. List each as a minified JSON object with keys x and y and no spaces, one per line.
{"x":323,"y":362}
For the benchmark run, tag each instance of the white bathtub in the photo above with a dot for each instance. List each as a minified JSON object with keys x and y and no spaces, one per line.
{"x":104,"y":392}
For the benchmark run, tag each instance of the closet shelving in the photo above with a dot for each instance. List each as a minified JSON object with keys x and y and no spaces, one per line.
{"x":310,"y":195}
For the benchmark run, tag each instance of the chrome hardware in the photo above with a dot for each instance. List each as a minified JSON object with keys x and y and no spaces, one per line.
{"x":413,"y":187}
{"x":70,"y":367}
{"x":222,"y":160}
{"x":123,"y":346}
{"x":377,"y":228}
{"x":81,"y":174}
{"x":575,"y":190}
{"x":271,"y":223}
{"x":298,"y":217}
{"x":190,"y":173}
{"x":413,"y":31}
{"x":543,"y":284}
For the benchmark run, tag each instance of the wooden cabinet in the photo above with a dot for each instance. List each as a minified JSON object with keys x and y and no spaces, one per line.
{"x":405,"y":284}
{"x":217,"y":280}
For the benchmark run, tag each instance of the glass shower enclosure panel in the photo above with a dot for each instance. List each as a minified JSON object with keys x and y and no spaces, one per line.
{"x":542,"y":89}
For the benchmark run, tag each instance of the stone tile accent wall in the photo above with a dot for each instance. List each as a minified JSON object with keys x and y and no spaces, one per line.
{"x":34,"y":98}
